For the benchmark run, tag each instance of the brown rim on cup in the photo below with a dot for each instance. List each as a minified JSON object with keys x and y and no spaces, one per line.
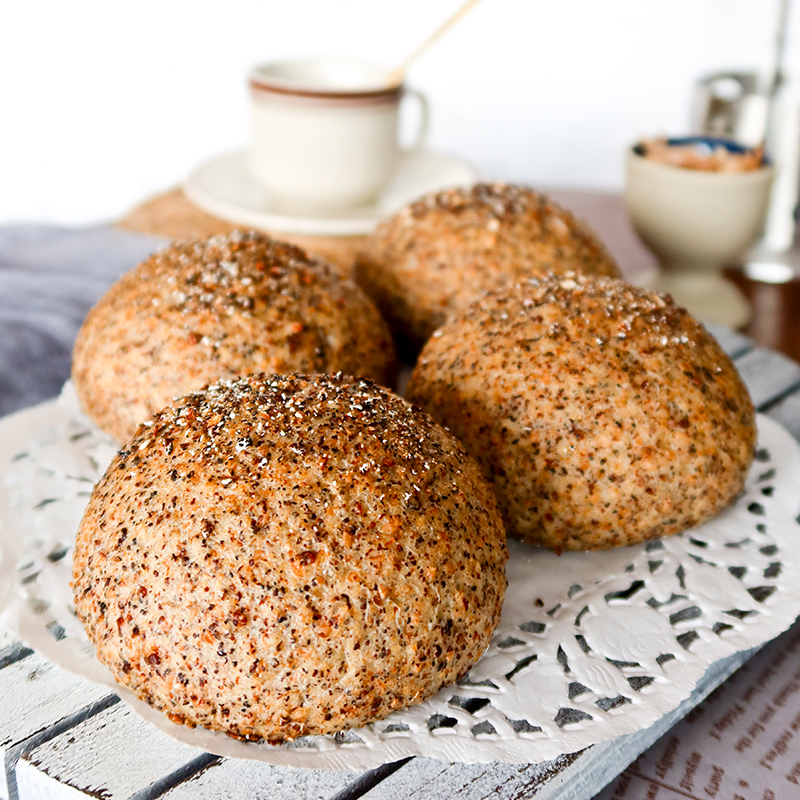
{"x":294,"y":89}
{"x":325,"y":132}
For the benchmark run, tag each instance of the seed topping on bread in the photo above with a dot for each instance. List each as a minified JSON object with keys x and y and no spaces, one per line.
{"x":279,"y":556}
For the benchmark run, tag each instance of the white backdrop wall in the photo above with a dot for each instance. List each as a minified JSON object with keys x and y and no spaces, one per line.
{"x":104,"y":103}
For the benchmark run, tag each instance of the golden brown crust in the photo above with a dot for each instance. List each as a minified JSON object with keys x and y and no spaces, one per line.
{"x":437,"y":254}
{"x":281,"y":556}
{"x":604,"y":415}
{"x":209,"y":309}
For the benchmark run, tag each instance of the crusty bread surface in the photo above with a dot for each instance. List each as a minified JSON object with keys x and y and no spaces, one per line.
{"x":603,"y":414}
{"x":210,"y":309}
{"x":437,"y":254}
{"x":281,"y":556}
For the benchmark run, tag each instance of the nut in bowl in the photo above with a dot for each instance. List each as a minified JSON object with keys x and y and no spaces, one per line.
{"x":696,"y":220}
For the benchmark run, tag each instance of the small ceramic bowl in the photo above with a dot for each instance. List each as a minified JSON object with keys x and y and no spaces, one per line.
{"x":696,"y":222}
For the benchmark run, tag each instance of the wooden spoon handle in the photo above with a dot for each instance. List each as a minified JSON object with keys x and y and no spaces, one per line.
{"x":396,"y":76}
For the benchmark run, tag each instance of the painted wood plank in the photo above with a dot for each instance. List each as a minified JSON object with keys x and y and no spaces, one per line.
{"x":787,"y":412}
{"x":12,"y":651}
{"x":114,"y":755}
{"x":37,"y":700}
{"x":7,"y":639}
{"x":231,"y":779}
{"x":427,"y":779}
{"x":733,"y":343}
{"x":768,"y":375}
{"x":436,"y":780}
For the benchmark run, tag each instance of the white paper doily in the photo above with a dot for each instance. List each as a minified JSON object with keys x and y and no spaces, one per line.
{"x":590,"y":645}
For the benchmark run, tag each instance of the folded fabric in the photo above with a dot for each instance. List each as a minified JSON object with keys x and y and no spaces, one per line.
{"x":49,"y":279}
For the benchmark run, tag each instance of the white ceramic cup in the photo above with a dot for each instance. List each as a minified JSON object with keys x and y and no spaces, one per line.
{"x":696,"y":222}
{"x":325,"y":132}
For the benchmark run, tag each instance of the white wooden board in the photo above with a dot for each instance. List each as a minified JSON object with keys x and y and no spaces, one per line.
{"x":768,"y":375}
{"x":114,"y":755}
{"x":234,"y":780}
{"x":69,"y":745}
{"x":37,"y":700}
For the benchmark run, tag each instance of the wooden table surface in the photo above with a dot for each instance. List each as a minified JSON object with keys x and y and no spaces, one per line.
{"x":62,"y":737}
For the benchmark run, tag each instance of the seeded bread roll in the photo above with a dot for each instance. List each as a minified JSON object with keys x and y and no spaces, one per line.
{"x":281,"y":556}
{"x":436,"y":255}
{"x":209,"y":309}
{"x":604,"y":414}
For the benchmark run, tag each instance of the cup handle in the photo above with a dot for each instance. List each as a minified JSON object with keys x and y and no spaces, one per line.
{"x":419,"y":140}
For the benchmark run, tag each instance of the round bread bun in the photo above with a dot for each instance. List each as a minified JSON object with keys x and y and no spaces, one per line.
{"x":604,"y":415}
{"x":210,"y":309}
{"x":279,"y":556}
{"x":438,"y":254}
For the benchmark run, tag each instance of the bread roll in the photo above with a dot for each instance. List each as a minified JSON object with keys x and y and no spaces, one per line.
{"x":282,"y":556}
{"x":208,"y":309}
{"x":436,"y":255}
{"x":603,"y":414}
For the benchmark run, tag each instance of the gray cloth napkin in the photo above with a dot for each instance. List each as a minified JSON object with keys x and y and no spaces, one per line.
{"x":49,"y":279}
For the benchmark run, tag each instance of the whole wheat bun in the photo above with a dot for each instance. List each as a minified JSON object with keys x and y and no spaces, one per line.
{"x":281,"y":556}
{"x":439,"y":253}
{"x":603,"y":414}
{"x":209,"y":309}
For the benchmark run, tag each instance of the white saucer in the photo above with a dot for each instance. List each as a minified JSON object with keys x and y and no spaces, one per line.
{"x":224,"y":187}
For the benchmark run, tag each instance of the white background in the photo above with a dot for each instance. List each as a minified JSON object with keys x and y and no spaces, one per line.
{"x":104,"y":103}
